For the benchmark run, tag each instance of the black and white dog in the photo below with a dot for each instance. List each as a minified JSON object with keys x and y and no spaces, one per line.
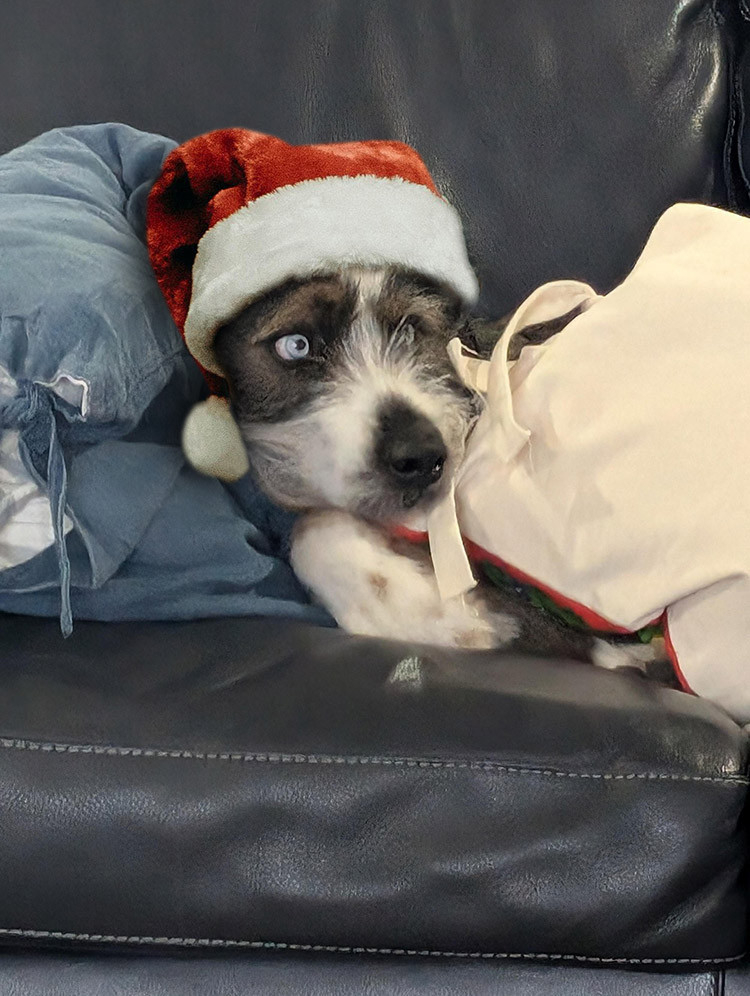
{"x":352,"y":412}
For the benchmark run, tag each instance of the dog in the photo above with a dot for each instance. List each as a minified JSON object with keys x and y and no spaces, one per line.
{"x":352,"y":414}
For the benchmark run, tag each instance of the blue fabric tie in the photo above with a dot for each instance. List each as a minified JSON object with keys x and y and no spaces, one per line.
{"x":33,"y":411}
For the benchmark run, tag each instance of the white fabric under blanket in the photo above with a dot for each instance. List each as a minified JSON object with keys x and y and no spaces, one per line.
{"x":25,"y":516}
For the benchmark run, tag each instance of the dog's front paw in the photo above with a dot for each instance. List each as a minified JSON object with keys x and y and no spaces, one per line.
{"x":465,"y":622}
{"x":369,"y":588}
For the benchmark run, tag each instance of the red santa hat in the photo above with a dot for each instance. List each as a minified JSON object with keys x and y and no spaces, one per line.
{"x":236,"y":212}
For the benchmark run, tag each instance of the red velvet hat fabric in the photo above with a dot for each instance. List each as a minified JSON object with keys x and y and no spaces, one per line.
{"x":210,"y":177}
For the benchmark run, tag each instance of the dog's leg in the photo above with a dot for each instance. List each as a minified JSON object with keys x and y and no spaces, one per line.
{"x":546,"y":635}
{"x":369,"y":588}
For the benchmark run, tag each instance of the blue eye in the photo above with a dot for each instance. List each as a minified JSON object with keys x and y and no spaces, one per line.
{"x":293,"y":347}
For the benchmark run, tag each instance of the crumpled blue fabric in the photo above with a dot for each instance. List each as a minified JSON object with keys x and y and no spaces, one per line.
{"x":186,"y":553}
{"x":77,"y":293}
{"x":103,"y":384}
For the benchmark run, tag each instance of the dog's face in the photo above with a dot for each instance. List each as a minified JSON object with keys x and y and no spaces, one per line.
{"x":344,"y":391}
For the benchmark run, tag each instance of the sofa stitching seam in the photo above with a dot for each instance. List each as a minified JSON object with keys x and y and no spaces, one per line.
{"x":355,"y":760}
{"x":350,"y":949}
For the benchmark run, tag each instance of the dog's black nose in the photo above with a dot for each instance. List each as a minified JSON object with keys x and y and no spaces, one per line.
{"x":410,"y":450}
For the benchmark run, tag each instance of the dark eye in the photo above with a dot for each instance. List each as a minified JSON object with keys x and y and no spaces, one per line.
{"x":406,"y":330}
{"x":293,"y":347}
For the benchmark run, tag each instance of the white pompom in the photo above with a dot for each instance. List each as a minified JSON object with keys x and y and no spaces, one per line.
{"x":212,"y":442}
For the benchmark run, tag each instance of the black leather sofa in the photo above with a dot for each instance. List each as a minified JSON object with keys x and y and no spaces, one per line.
{"x":230,"y":807}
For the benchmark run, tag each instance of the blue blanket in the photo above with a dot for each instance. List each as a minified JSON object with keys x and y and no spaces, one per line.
{"x":102,"y":385}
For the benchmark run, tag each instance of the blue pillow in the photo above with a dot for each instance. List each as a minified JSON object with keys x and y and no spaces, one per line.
{"x":86,"y":339}
{"x":98,"y":383}
{"x":80,"y":311}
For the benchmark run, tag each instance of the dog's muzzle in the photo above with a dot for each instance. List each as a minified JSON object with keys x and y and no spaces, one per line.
{"x":409,"y":451}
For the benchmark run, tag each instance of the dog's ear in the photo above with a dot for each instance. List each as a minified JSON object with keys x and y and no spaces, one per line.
{"x":480,"y":335}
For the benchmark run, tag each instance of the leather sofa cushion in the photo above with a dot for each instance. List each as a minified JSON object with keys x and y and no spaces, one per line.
{"x":43,"y":974}
{"x":243,"y":784}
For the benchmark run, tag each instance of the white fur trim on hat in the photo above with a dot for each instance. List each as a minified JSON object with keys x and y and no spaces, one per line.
{"x":212,"y":442}
{"x":317,"y":225}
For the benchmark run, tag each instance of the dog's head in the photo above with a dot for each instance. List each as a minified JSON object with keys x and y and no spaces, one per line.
{"x":344,"y":391}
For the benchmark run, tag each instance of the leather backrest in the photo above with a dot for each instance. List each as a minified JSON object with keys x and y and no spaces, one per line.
{"x":561,"y":130}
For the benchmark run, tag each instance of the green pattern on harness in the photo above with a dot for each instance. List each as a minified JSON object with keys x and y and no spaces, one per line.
{"x":543,"y":601}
